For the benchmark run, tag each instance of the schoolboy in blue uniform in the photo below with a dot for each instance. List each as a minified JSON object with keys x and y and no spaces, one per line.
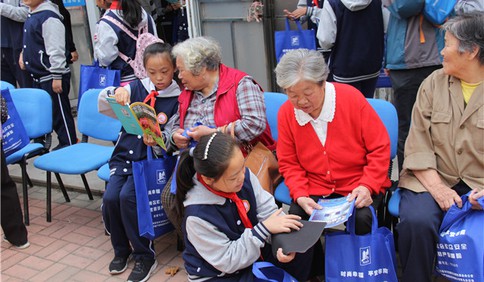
{"x":119,"y":201}
{"x":44,"y":56}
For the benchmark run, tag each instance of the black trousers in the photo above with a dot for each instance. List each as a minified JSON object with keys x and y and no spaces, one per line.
{"x":11,"y":218}
{"x":405,"y":84}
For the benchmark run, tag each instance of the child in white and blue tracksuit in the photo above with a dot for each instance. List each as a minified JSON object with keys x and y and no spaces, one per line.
{"x":110,"y":40}
{"x":44,"y":57}
{"x":119,"y":200}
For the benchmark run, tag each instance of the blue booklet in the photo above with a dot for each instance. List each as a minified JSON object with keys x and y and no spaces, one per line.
{"x":334,"y":212}
{"x":138,"y":118}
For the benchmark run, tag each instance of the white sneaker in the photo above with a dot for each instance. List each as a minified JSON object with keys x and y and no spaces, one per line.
{"x":23,"y":246}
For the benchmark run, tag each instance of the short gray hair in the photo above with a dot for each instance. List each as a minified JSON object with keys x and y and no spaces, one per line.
{"x":199,"y":52}
{"x":469,"y":30}
{"x":301,"y":65}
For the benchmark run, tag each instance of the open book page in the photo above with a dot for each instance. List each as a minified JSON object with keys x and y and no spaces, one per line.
{"x":126,"y":116}
{"x":138,"y":118}
{"x":146,"y":116}
{"x":334,"y":212}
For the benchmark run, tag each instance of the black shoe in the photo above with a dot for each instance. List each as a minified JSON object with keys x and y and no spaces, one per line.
{"x":118,"y":265}
{"x":142,"y":270}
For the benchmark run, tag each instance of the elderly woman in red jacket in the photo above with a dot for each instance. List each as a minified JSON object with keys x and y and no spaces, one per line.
{"x":331,"y":141}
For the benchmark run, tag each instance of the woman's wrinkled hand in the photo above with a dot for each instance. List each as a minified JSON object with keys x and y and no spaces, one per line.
{"x":473,"y":199}
{"x":198,"y":131}
{"x":308,"y":204}
{"x":445,"y":196}
{"x":362,"y":197}
{"x":181,"y":141}
{"x":282,"y":223}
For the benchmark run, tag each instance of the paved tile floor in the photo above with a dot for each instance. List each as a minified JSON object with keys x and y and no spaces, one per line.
{"x":73,"y":247}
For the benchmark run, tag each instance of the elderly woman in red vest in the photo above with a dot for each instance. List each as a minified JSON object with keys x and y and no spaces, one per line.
{"x":216,"y":98}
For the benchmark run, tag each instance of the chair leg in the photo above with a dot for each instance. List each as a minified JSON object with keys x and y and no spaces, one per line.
{"x":25,"y":192}
{"x":63,"y":188}
{"x":86,"y":185}
{"x":49,"y":196}
{"x":29,"y":181}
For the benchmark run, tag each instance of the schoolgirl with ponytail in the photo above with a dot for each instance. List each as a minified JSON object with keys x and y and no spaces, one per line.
{"x":227,"y":216}
{"x":110,"y":40}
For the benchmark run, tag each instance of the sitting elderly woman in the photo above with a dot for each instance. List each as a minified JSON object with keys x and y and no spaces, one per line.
{"x":331,"y":141}
{"x":216,"y":98}
{"x":444,"y":152}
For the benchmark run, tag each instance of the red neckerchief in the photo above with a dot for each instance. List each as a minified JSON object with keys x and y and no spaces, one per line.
{"x":115,"y":5}
{"x":232,"y":196}
{"x":151,"y":97}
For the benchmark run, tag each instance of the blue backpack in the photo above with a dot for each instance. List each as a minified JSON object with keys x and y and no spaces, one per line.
{"x":437,"y":11}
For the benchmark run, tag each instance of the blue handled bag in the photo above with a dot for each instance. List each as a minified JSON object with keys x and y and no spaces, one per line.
{"x":150,"y":177}
{"x":288,"y":39}
{"x":267,"y":272}
{"x":95,"y":76}
{"x":369,"y":258}
{"x":14,"y":135}
{"x":460,"y":250}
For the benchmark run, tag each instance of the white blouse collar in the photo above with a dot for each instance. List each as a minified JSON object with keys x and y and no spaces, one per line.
{"x":327,"y":113}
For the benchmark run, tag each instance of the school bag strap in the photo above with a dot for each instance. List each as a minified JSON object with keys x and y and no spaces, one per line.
{"x":123,"y":27}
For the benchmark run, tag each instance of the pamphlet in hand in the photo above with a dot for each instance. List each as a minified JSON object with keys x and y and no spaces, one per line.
{"x":138,"y":118}
{"x":334,"y":212}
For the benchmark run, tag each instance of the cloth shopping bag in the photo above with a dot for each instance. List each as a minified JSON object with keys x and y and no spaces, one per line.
{"x":14,"y":135}
{"x":150,"y":177}
{"x":460,"y":249}
{"x":369,"y":258}
{"x":267,"y":272}
{"x":95,"y":76}
{"x":288,"y":39}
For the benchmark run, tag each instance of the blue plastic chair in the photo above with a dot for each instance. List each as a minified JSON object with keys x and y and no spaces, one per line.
{"x":387,"y":113}
{"x":83,"y":157}
{"x":104,"y":173}
{"x":6,"y":85}
{"x":38,"y":123}
{"x":273,"y":102}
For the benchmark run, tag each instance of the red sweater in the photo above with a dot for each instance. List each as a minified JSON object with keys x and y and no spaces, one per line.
{"x":357,"y":150}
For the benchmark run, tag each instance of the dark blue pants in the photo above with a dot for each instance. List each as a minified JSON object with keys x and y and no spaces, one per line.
{"x":62,"y":120}
{"x":121,"y":219}
{"x":418,"y":231}
{"x":405,"y":84}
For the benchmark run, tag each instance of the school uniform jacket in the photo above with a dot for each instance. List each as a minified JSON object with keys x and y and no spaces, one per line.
{"x":44,"y":43}
{"x":217,"y":243}
{"x":110,"y":40}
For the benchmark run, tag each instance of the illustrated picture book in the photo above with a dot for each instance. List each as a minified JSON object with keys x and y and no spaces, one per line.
{"x":138,"y":118}
{"x":334,"y":212}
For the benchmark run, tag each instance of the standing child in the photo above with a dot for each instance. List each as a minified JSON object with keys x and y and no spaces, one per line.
{"x":44,"y":56}
{"x":119,"y":201}
{"x":110,"y":41}
{"x":228,"y":216}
